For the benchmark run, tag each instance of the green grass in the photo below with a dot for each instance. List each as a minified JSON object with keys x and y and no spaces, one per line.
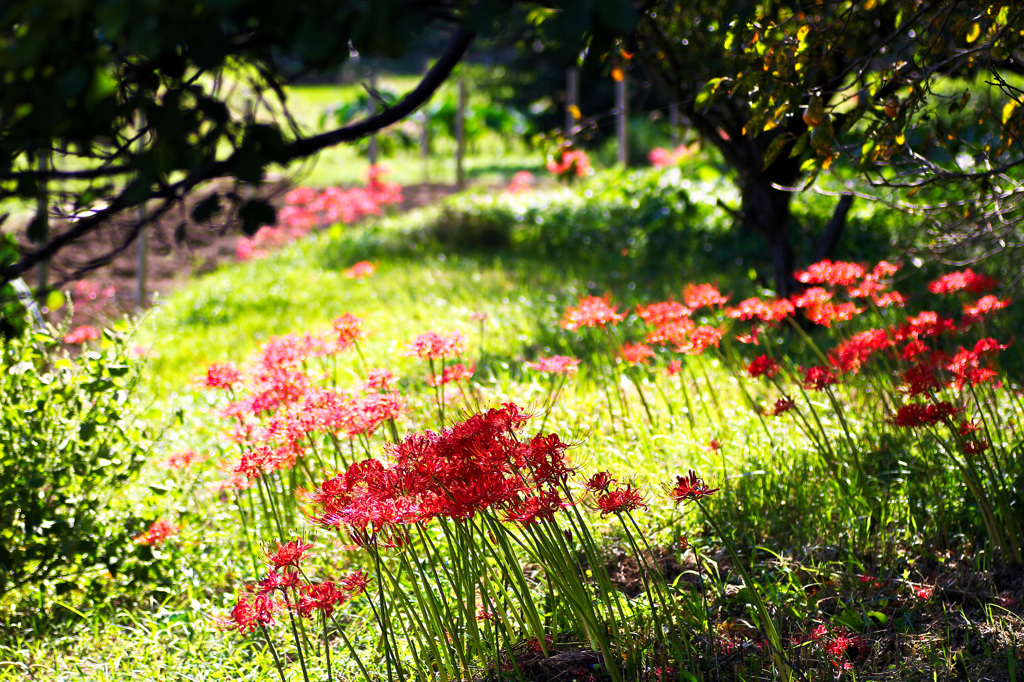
{"x":521,"y":261}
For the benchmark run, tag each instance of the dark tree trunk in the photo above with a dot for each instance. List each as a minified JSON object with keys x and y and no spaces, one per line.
{"x":765,"y":209}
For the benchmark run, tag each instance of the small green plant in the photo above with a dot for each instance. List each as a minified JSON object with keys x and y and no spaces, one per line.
{"x":68,"y":444}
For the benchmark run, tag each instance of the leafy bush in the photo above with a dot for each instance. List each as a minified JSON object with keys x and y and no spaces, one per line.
{"x":69,"y":443}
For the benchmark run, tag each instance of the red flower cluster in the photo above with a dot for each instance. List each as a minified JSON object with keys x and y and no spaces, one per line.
{"x":657,"y":314}
{"x":157,"y":533}
{"x":288,"y":591}
{"x":592,"y":311}
{"x":636,"y":354}
{"x":360,"y":270}
{"x":827,"y":272}
{"x":568,"y":163}
{"x":80,"y":335}
{"x":180,"y":460}
{"x":431,"y":345}
{"x":222,"y":375}
{"x":690,"y":487}
{"x":964,"y":280}
{"x":452,"y":374}
{"x":306,"y":209}
{"x":916,"y":414}
{"x":620,"y":500}
{"x":479,"y":464}
{"x":701,"y":295}
{"x":818,"y":378}
{"x":762,"y":366}
{"x":556,"y":364}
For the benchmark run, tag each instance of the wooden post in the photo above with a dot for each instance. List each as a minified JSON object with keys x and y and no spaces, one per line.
{"x":622,"y":119}
{"x":673,"y":122}
{"x":373,"y":110}
{"x":425,"y":145}
{"x":142,"y":267}
{"x":460,"y":135}
{"x":572,"y":100}
{"x":42,"y":229}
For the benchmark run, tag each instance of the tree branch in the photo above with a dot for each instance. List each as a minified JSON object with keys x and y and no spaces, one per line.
{"x":297,"y":149}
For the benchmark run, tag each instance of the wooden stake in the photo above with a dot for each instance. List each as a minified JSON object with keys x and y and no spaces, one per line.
{"x":572,"y":101}
{"x":622,"y":119}
{"x":460,"y":135}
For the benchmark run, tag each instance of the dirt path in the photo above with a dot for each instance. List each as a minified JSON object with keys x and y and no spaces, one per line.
{"x":174,"y":256}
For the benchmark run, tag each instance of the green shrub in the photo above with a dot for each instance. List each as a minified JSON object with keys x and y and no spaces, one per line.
{"x":69,"y":444}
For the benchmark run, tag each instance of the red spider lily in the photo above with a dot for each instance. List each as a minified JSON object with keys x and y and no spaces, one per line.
{"x":983,"y":306}
{"x":966,"y":369}
{"x":452,"y":374}
{"x":636,"y":354}
{"x":975,"y":447}
{"x":379,"y":379}
{"x":289,"y":553}
{"x":556,"y":364}
{"x":913,"y":349}
{"x":322,"y":597}
{"x":620,"y":500}
{"x":826,"y":313}
{"x":361,"y":270}
{"x":989,"y":345}
{"x":923,"y":592}
{"x":850,"y":355}
{"x":762,"y":366}
{"x":920,"y":379}
{"x":300,"y":195}
{"x":221,"y":375}
{"x":535,"y":508}
{"x":477,"y":464}
{"x":180,"y":460}
{"x":885,"y":269}
{"x":521,"y":182}
{"x":812,"y":297}
{"x":247,"y":615}
{"x":599,"y":482}
{"x":747,"y":309}
{"x":916,"y":414}
{"x":657,"y":314}
{"x":433,"y":345}
{"x":699,"y":339}
{"x":158,"y":533}
{"x":890,"y":298}
{"x":592,"y":311}
{"x":80,"y":335}
{"x":674,"y":368}
{"x":569,"y":162}
{"x":964,"y":280}
{"x":276,"y":581}
{"x":817,"y":378}
{"x":968,"y":427}
{"x":355,"y":582}
{"x":346,"y":329}
{"x":867,"y":288}
{"x":750,"y":338}
{"x":671,"y":332}
{"x":837,"y":274}
{"x":690,"y":487}
{"x":714,"y":445}
{"x":700,"y":295}
{"x":781,"y":406}
{"x":926,"y":324}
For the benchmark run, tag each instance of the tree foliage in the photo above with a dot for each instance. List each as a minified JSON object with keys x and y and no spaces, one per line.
{"x":113,"y":104}
{"x":905,"y":101}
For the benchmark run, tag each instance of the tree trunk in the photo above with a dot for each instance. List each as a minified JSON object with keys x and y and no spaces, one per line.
{"x":766,"y":210}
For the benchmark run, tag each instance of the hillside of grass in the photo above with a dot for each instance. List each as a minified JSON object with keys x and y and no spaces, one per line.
{"x":830,"y":538}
